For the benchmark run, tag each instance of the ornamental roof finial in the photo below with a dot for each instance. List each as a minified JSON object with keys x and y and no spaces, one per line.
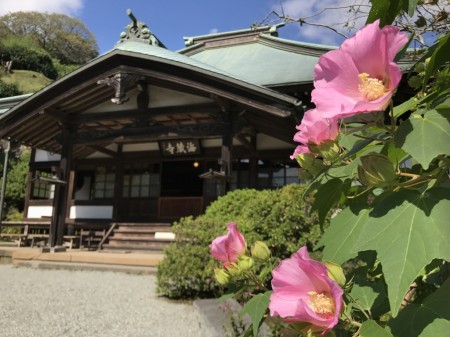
{"x":138,"y":31}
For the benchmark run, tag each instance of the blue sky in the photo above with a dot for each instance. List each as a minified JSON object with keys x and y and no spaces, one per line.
{"x":171,"y":20}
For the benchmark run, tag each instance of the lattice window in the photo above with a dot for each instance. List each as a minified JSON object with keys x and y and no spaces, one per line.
{"x":141,"y":181}
{"x":42,"y":190}
{"x":104,"y":182}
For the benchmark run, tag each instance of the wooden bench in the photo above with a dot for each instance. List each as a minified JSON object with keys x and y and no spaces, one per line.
{"x":69,"y":240}
{"x":39,"y":240}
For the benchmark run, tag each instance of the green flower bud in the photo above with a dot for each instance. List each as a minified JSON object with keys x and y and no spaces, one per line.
{"x":304,"y":174}
{"x":222,"y":277}
{"x":309,"y":163}
{"x":415,"y":82}
{"x":260,"y":251}
{"x":335,"y":272}
{"x":329,"y":150}
{"x":376,"y":170}
{"x":233,"y":269}
{"x":245,"y":262}
{"x":420,"y":67}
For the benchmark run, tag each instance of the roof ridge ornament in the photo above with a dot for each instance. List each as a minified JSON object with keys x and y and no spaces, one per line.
{"x":138,"y":31}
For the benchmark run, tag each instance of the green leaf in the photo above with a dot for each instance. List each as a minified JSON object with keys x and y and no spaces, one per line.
{"x":411,"y":7}
{"x":429,"y":319}
{"x":407,"y":229}
{"x":370,"y":328}
{"x":340,"y":237}
{"x":444,"y":108}
{"x":328,"y":195}
{"x":425,"y":137}
{"x":439,"y":57}
{"x":406,"y":106}
{"x":387,"y":10}
{"x":395,"y":154}
{"x":370,"y":296}
{"x":255,"y":308}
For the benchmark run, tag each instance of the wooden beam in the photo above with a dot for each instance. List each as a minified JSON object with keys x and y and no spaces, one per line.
{"x":151,"y":112}
{"x":103,"y":150}
{"x":150,"y":133}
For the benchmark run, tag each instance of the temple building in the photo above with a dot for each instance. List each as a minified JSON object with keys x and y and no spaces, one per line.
{"x":145,"y":134}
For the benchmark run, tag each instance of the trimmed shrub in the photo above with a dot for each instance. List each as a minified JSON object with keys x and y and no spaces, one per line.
{"x":281,"y":218}
{"x":8,"y":90}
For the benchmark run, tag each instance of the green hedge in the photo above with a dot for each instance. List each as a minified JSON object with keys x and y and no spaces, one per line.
{"x":8,"y":90}
{"x":281,"y":218}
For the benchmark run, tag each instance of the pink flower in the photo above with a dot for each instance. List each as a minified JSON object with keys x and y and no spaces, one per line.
{"x":300,"y":149}
{"x":227,"y":248}
{"x":314,"y":129}
{"x":361,"y":75}
{"x":303,"y":292}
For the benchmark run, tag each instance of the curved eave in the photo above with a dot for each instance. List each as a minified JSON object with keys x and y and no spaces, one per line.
{"x":185,"y":62}
{"x":114,"y":58}
{"x":36,"y":120}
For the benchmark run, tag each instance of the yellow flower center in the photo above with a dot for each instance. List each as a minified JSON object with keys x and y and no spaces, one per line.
{"x":371,"y":88}
{"x":321,"y":304}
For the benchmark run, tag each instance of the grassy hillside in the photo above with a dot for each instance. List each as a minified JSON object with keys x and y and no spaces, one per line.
{"x":27,"y":81}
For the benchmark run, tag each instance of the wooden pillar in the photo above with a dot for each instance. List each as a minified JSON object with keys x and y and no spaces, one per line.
{"x":118,"y":187}
{"x":253,"y":166}
{"x":226,"y":152}
{"x":61,"y":198}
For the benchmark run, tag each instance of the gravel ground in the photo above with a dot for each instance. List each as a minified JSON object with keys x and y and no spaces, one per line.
{"x":56,"y":303}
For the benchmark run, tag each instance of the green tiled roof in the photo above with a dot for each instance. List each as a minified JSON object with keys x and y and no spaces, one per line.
{"x":267,"y":61}
{"x":181,"y":60}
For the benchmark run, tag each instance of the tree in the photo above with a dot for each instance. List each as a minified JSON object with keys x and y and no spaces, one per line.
{"x":64,"y":38}
{"x":426,"y":19}
{"x":16,"y":178}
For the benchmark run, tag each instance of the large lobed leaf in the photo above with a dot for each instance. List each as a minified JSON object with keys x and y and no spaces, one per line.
{"x":429,"y":319}
{"x":407,"y":229}
{"x":340,"y":238}
{"x":425,"y":137}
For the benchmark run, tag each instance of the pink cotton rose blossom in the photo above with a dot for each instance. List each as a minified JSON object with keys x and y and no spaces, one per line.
{"x":227,"y":248}
{"x":361,"y":76}
{"x":314,"y":129}
{"x":303,"y":292}
{"x":300,"y":149}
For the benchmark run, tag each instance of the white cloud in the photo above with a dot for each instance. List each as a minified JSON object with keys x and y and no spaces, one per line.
{"x":69,"y":7}
{"x":332,"y":13}
{"x":213,"y":31}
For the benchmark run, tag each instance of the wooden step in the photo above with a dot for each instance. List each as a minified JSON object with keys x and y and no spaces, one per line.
{"x":139,"y":236}
{"x":141,"y":229}
{"x":126,"y":248}
{"x":160,"y":225}
{"x":141,"y":244}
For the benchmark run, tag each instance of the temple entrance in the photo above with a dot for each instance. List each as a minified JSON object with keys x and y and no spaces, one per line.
{"x":181,"y":179}
{"x":181,"y":189}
